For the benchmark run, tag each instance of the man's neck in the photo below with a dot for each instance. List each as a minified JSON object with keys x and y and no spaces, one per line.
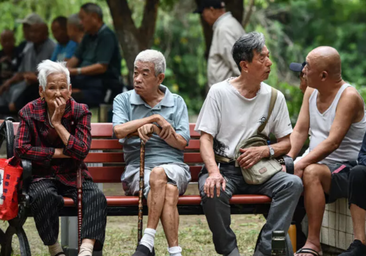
{"x":247,"y":87}
{"x":36,"y":46}
{"x":152,"y":99}
{"x":330,"y":89}
{"x":96,"y":29}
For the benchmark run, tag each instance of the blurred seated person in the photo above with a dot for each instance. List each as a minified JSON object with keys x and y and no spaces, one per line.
{"x":9,"y":55}
{"x":22,"y":87}
{"x":65,"y":47}
{"x":75,"y":30}
{"x":96,"y":64}
{"x":54,"y":134}
{"x":26,"y":43}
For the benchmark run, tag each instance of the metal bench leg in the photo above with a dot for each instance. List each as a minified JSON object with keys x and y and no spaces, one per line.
{"x":23,"y":241}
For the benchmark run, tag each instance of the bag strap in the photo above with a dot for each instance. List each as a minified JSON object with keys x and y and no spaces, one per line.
{"x":270,"y":109}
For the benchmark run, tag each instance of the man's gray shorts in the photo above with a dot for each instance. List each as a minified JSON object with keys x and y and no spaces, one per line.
{"x":340,"y":180}
{"x":178,"y":174}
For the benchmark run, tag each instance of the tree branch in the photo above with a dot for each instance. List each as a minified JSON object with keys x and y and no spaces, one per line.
{"x":148,"y":23}
{"x":122,"y":15}
{"x":249,"y":13}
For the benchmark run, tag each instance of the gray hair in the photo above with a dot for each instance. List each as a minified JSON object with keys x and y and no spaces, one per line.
{"x":48,"y":67}
{"x":75,"y":20}
{"x":93,"y":8}
{"x":243,"y":49}
{"x":155,"y":57}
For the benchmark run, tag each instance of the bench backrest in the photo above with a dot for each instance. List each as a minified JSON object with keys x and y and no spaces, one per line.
{"x":106,"y":156}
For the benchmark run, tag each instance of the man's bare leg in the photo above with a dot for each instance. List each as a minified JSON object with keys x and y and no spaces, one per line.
{"x":358,"y":219}
{"x":155,"y":202}
{"x":170,"y":216}
{"x":156,"y":197}
{"x":317,"y":180}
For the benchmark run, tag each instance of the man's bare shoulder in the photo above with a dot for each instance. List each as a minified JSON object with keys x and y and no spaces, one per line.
{"x":351,"y":95}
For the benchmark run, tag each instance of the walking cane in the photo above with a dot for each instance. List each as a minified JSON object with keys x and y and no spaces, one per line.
{"x":141,"y":191}
{"x":141,"y":186}
{"x":80,"y":206}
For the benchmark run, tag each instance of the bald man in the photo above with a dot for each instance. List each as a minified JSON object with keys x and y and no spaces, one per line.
{"x":334,"y":112}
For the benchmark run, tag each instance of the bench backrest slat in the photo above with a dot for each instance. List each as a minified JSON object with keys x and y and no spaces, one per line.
{"x":107,"y":150}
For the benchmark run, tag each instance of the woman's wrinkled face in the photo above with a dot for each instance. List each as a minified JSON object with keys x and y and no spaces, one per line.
{"x":56,"y":87}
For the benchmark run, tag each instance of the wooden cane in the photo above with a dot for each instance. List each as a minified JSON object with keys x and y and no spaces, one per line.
{"x":141,"y":186}
{"x":80,"y":205}
{"x":141,"y":192}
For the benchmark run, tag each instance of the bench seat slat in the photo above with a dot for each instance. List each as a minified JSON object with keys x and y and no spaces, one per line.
{"x":112,"y":174}
{"x":183,"y":200}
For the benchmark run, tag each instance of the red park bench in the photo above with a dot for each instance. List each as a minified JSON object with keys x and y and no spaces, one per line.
{"x":108,"y":151}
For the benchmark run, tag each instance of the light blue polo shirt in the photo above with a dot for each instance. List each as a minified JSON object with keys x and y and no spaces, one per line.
{"x":129,"y":106}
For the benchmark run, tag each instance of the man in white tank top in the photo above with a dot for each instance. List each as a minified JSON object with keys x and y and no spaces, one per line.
{"x":334,"y":112}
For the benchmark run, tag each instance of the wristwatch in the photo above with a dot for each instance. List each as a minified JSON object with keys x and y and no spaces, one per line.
{"x":271,"y":152}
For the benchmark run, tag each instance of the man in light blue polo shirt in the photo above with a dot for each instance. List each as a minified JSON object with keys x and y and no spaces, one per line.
{"x":152,"y":108}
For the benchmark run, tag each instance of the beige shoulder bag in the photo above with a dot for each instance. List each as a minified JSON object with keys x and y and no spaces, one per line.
{"x":265,"y":168}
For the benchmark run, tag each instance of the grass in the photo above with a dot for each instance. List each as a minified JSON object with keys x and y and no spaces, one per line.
{"x":194,"y":235}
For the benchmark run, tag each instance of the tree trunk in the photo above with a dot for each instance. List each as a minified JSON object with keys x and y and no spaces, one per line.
{"x":132,"y":39}
{"x":236,"y":7}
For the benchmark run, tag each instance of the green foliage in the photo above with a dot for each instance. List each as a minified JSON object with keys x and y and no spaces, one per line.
{"x":11,"y":10}
{"x":182,"y":43}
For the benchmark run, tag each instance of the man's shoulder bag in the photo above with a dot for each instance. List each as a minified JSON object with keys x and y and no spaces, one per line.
{"x":265,"y":168}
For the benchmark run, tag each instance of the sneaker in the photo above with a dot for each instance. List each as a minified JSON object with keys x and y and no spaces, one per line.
{"x":355,"y":249}
{"x":142,"y":250}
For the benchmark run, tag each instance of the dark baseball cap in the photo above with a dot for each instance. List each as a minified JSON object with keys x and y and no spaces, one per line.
{"x":216,"y":4}
{"x":297,"y":67}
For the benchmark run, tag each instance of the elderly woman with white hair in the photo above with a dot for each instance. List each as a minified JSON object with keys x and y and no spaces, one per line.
{"x":54,"y":134}
{"x":151,"y":107}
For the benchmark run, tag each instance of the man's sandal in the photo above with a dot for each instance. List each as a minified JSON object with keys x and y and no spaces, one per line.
{"x":309,"y":251}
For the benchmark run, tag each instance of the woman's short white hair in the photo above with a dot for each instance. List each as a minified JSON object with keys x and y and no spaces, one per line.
{"x":155,"y":57}
{"x":47,"y":67}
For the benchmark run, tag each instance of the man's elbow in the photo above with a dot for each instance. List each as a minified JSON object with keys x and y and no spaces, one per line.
{"x":118,"y":132}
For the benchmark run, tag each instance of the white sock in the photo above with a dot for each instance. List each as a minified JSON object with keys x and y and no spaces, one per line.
{"x":54,"y":249}
{"x":175,"y":251}
{"x":86,"y":249}
{"x":148,"y":238}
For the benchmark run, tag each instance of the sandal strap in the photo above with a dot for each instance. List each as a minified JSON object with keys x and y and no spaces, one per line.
{"x":309,"y":251}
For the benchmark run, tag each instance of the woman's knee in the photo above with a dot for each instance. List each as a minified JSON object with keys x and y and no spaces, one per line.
{"x":158,"y":177}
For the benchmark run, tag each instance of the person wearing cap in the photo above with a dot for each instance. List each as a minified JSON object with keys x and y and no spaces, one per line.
{"x":24,"y":45}
{"x":233,"y":111}
{"x":96,"y":64}
{"x":298,"y":67}
{"x":65,"y":47}
{"x":334,"y":113}
{"x":226,"y":30}
{"x":23,"y":86}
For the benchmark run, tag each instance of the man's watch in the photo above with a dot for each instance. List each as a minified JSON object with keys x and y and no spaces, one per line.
{"x":271,"y":152}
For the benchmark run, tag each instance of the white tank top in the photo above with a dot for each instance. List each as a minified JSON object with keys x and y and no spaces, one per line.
{"x":320,"y":124}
